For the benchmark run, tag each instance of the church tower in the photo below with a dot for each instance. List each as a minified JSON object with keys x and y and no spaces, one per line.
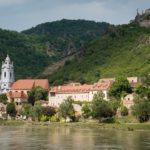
{"x":7,"y":75}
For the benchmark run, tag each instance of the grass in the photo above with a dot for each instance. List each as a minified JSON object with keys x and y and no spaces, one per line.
{"x":96,"y":125}
{"x":11,"y":123}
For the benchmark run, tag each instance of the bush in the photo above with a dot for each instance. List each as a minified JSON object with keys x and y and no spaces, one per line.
{"x":66,"y":109}
{"x":44,"y":118}
{"x":141,"y":110}
{"x":54,"y":119}
{"x":49,"y":111}
{"x":86,"y":110}
{"x":11,"y":110}
{"x":124,"y":111}
{"x":101,"y":108}
{"x":108,"y":120}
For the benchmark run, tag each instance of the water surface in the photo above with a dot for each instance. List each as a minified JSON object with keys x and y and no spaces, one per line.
{"x":48,"y":138}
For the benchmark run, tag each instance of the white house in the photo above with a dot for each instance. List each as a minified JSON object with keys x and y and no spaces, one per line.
{"x":77,"y":92}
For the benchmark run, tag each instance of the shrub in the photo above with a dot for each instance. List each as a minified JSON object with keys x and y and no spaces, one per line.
{"x":11,"y":110}
{"x":100,"y":107}
{"x":124,"y":111}
{"x":54,"y":119}
{"x":141,"y":109}
{"x":86,"y":110}
{"x":44,"y":118}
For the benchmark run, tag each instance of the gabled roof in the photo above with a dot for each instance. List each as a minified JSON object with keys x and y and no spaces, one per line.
{"x":81,"y":88}
{"x":28,"y":84}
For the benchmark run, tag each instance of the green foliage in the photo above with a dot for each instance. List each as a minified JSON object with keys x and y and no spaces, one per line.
{"x":44,"y":118}
{"x":86,"y":110}
{"x":67,"y":36}
{"x":26,"y":110}
{"x":124,"y":111}
{"x":25,"y":53}
{"x":115,"y":104}
{"x":125,"y":54}
{"x":100,"y":107}
{"x":119,"y":87}
{"x":37,"y":93}
{"x":141,"y":109}
{"x":37,"y":112}
{"x":3,"y":98}
{"x":141,"y":90}
{"x":29,"y":49}
{"x":66,"y":108}
{"x":11,"y":110}
{"x":54,"y":119}
{"x":49,"y":111}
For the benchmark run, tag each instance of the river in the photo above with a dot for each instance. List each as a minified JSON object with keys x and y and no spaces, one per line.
{"x":48,"y":138}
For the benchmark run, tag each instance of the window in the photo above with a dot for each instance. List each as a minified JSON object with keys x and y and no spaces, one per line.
{"x":52,"y":94}
{"x":10,"y":74}
{"x":4,"y":74}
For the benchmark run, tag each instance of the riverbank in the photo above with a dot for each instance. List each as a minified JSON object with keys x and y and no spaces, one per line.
{"x":94,"y":125}
{"x":123,"y":126}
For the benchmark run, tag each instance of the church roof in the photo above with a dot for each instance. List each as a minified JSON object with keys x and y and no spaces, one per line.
{"x":28,"y":84}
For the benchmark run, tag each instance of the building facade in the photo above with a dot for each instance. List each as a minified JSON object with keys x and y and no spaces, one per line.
{"x":78,"y":93}
{"x":7,"y":75}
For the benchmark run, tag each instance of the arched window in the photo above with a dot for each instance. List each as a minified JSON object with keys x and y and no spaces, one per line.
{"x":4,"y":74}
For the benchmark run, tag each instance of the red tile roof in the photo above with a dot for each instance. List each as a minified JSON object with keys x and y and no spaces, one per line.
{"x":81,"y":88}
{"x":28,"y":84}
{"x":16,"y":95}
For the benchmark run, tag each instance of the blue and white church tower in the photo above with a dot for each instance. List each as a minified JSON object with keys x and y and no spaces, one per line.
{"x":7,"y":75}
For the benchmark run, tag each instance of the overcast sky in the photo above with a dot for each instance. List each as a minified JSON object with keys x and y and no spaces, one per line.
{"x":23,"y":14}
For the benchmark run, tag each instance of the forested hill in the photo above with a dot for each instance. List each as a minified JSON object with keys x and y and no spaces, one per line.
{"x":28,"y":59}
{"x":35,"y":49}
{"x":124,"y":50}
{"x":67,"y":36}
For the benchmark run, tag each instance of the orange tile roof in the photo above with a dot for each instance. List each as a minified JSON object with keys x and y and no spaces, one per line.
{"x":28,"y":84}
{"x":16,"y":95}
{"x":81,"y":88}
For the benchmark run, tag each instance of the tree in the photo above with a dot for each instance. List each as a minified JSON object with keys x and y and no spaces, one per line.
{"x":3,"y":98}
{"x":49,"y":111}
{"x":120,"y":87}
{"x":37,"y":93}
{"x":66,"y":109}
{"x":37,"y":112}
{"x":11,"y":110}
{"x":27,"y":110}
{"x":141,"y":109}
{"x":124,"y":111}
{"x":86,"y":110}
{"x":100,"y":107}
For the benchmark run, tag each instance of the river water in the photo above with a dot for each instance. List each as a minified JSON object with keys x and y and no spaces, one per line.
{"x":48,"y":138}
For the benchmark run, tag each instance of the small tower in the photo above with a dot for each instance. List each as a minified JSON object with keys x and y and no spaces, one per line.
{"x":7,"y":75}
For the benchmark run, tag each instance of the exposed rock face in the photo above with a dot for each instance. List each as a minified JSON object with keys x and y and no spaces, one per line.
{"x":147,"y":11}
{"x":145,"y":23}
{"x":143,"y":19}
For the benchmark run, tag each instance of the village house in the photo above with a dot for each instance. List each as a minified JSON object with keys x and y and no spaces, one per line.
{"x":132,"y":80}
{"x":19,"y":90}
{"x":128,"y":100}
{"x":77,"y":92}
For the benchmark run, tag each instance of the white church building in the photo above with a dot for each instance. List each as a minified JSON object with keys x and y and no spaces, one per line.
{"x":7,"y":75}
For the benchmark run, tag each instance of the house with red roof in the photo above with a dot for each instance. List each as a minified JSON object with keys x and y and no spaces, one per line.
{"x":19,"y":90}
{"x":77,"y":92}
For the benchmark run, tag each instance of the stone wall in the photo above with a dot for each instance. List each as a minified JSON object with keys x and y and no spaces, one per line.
{"x":145,"y":23}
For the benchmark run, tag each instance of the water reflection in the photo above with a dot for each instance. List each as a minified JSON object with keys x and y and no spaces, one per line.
{"x":46,"y":138}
